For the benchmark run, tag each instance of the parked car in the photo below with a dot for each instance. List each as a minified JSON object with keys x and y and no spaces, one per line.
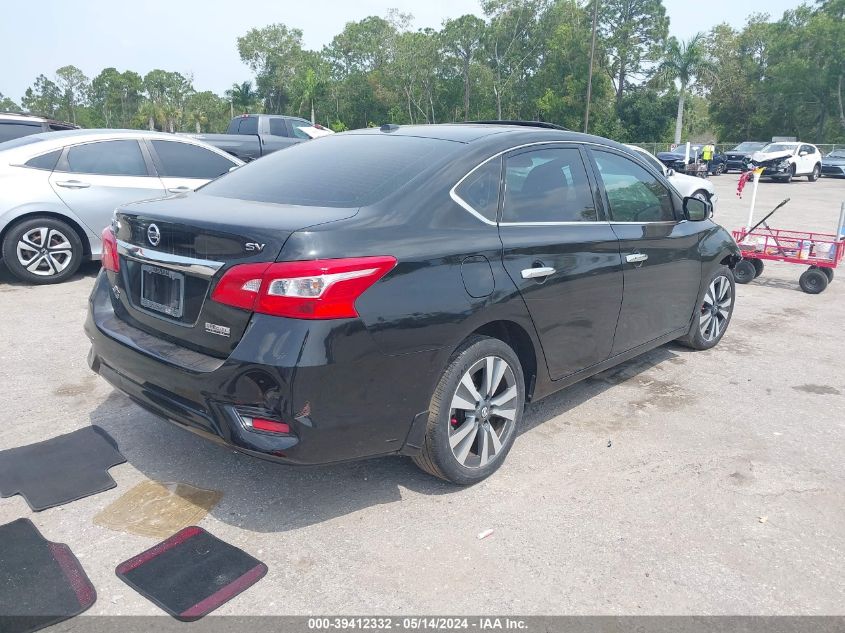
{"x":739,"y":156}
{"x":784,"y":161}
{"x":402,"y":290}
{"x":15,"y":125}
{"x":677,"y":159}
{"x":687,"y":186}
{"x":58,"y":191}
{"x":834,"y":163}
{"x":252,"y":136}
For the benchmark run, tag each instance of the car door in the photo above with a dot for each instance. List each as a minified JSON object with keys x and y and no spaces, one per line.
{"x":808,"y":160}
{"x":183,"y":166}
{"x":94,"y":178}
{"x":662,"y":268}
{"x":562,"y":255}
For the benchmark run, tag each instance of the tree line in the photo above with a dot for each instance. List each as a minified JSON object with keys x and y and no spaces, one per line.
{"x":524,"y":59}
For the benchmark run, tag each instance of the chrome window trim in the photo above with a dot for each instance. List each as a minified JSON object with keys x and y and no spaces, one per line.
{"x":468,"y":207}
{"x":202,"y":267}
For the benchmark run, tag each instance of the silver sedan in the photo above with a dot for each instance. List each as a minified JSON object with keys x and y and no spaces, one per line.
{"x":58,"y":190}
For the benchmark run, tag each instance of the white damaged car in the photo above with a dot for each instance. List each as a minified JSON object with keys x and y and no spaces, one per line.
{"x":784,"y":161}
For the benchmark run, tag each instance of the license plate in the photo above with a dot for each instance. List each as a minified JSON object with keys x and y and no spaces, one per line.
{"x":162,"y":290}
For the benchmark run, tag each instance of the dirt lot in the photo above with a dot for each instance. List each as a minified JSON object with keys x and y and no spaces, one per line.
{"x":722,"y":490}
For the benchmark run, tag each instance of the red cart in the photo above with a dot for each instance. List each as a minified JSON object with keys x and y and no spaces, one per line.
{"x":820,"y":252}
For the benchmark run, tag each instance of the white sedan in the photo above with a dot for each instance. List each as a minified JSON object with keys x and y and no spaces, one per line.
{"x":687,"y":186}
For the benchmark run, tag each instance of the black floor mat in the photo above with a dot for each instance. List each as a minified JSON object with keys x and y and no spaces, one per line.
{"x":191,"y":574}
{"x":41,"y":583}
{"x":60,"y":470}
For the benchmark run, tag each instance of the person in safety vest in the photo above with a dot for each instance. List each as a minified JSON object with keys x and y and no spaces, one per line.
{"x":707,"y":153}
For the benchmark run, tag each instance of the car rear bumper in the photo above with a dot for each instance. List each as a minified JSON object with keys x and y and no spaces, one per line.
{"x":341,"y":397}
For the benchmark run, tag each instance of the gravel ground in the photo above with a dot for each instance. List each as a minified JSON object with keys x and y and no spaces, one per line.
{"x":678,"y":483}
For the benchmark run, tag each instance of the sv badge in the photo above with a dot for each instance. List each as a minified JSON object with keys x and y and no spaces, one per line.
{"x":254,"y":247}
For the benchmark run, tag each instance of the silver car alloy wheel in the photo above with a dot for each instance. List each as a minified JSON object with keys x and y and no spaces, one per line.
{"x":482,"y":412}
{"x":716,"y":309}
{"x":44,"y":251}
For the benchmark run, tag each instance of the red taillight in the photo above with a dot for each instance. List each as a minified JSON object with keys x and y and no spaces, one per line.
{"x":110,"y":259}
{"x":318,"y":289}
{"x":270,"y":426}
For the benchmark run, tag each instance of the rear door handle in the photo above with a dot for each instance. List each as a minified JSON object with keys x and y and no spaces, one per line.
{"x":535,"y":273}
{"x":636,"y":258}
{"x":73,"y":184}
{"x":182,"y":189}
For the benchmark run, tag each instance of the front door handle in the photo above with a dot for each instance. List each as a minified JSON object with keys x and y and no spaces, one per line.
{"x":536,"y":273}
{"x":182,"y":189}
{"x":73,"y":184}
{"x":636,"y":258}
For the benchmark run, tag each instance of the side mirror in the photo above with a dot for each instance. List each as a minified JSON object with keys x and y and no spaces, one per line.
{"x":696,"y":210}
{"x":234,"y":167}
{"x":670,"y":172}
{"x":803,"y":153}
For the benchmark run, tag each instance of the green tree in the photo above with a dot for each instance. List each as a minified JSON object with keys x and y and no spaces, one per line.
{"x":7,"y":105}
{"x":633,"y":33}
{"x":116,"y":96}
{"x":242,"y":97}
{"x":461,"y":38}
{"x":167,"y":93}
{"x":73,"y":86}
{"x":42,"y":98}
{"x":684,"y":63}
{"x":274,"y":53}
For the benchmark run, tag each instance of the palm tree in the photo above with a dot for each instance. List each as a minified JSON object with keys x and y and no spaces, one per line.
{"x":684,"y":62}
{"x":242,"y":97}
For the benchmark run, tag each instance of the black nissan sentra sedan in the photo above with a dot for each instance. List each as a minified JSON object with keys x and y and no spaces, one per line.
{"x":403,"y":290}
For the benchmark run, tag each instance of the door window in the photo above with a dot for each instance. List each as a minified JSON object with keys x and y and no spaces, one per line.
{"x":547,"y":185}
{"x":9,"y":131}
{"x":633,"y":193}
{"x":108,"y":158}
{"x":183,"y":160}
{"x":278,"y":127}
{"x":808,"y":148}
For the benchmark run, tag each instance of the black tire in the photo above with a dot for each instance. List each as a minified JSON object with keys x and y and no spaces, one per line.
{"x":791,"y":175}
{"x":49,"y":263}
{"x":758,"y":267}
{"x":826,"y":271}
{"x":814,"y":175}
{"x":437,"y":456}
{"x":744,"y":271}
{"x":813,"y":281}
{"x":716,"y":301}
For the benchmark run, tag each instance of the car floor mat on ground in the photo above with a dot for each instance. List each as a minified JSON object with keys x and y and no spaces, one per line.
{"x":61,"y":469}
{"x":41,"y":583}
{"x":191,"y":574}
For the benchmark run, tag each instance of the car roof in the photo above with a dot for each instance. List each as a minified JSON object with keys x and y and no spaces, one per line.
{"x":471,"y":132}
{"x":31,"y":118}
{"x":44,"y":142}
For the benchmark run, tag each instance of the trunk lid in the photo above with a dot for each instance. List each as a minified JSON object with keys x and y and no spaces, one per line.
{"x":173,"y":252}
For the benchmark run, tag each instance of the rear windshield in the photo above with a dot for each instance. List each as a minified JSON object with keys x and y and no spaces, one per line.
{"x":344,"y":170}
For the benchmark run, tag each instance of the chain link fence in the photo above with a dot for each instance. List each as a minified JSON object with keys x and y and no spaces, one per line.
{"x":721,"y":148}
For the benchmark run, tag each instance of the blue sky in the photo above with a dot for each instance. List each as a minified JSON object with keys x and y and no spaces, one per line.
{"x":198,"y":36}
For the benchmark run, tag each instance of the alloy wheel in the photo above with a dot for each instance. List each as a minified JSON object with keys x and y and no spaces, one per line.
{"x":482,"y":412}
{"x":44,"y":251}
{"x":715,"y":309}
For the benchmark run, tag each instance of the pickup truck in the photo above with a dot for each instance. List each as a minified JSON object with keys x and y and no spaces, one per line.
{"x":251,"y":136}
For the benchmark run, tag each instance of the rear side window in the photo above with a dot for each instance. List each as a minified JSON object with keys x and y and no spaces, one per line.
{"x":278,"y":127}
{"x":107,"y":158}
{"x":547,"y":185}
{"x":633,"y":193}
{"x":343,"y":170}
{"x":247,"y":125}
{"x":8,"y":131}
{"x":45,"y":161}
{"x":480,"y":189}
{"x":183,"y":160}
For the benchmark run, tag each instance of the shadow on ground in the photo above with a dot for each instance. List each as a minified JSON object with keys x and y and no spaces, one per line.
{"x":266,"y":497}
{"x":88,"y":269}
